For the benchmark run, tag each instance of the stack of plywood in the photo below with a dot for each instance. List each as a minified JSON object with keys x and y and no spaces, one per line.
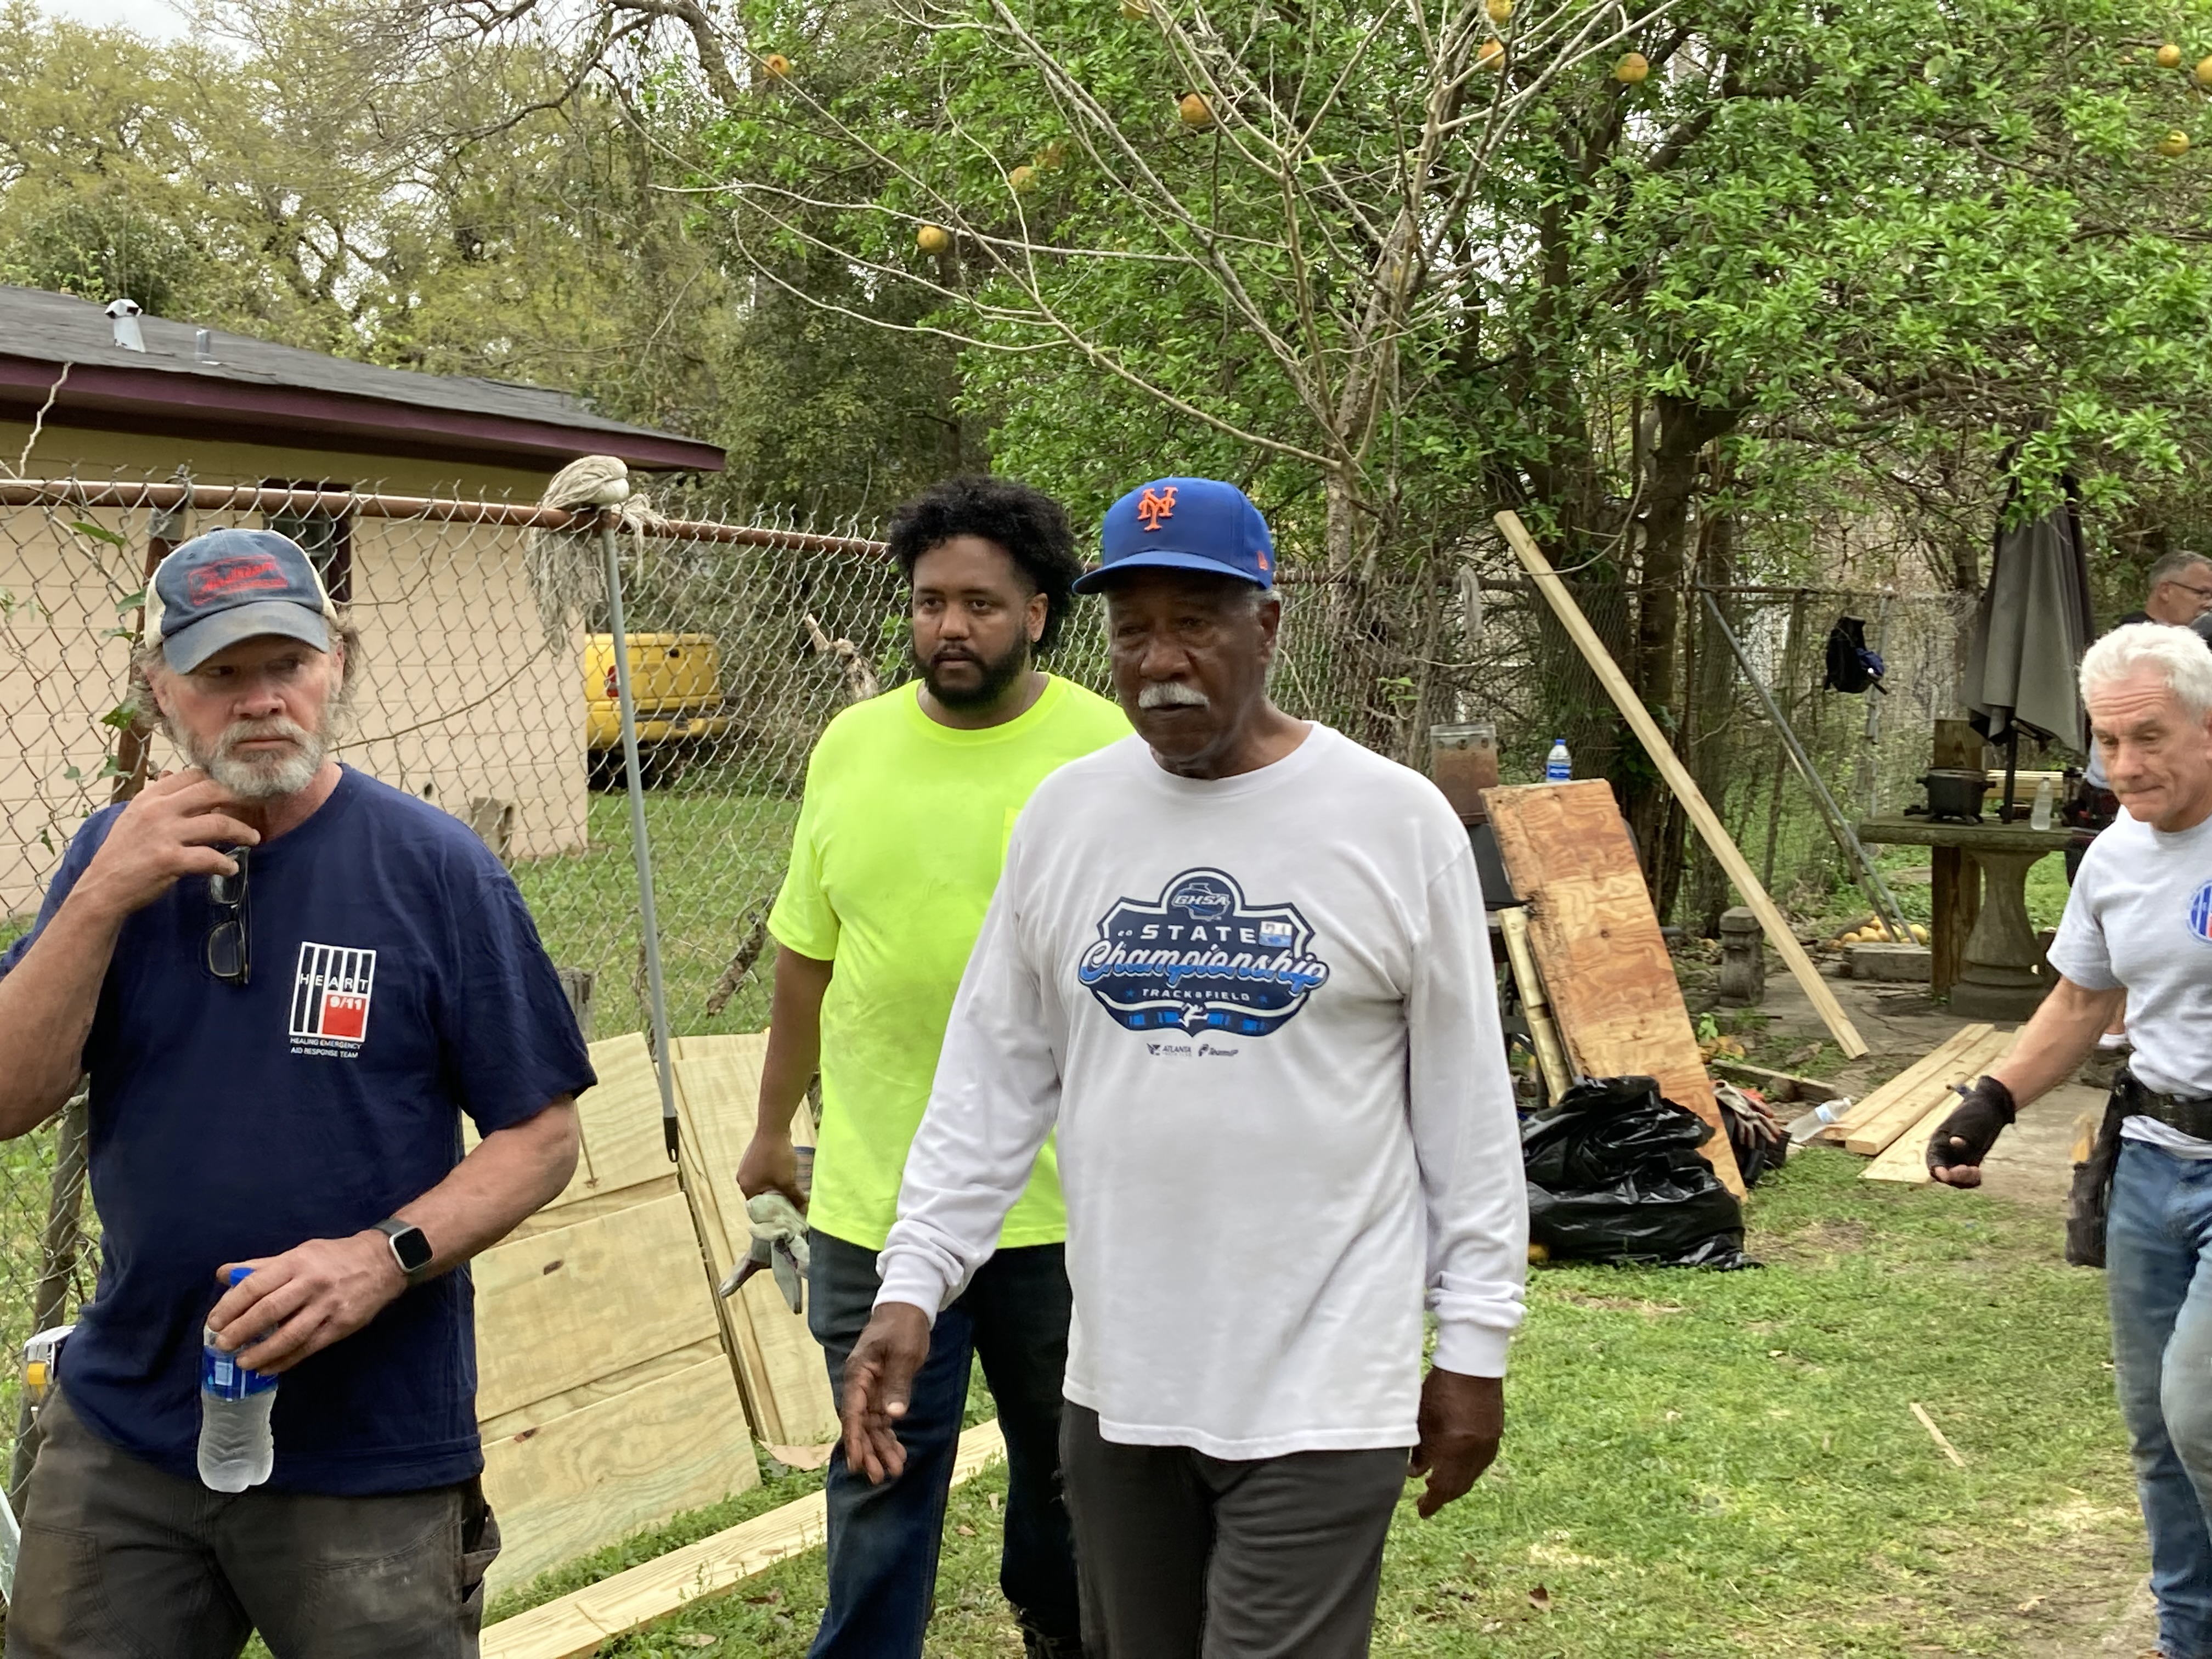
{"x":786,"y":1383}
{"x":1893,"y":1124}
{"x":604,"y":1396}
{"x":1596,"y":942}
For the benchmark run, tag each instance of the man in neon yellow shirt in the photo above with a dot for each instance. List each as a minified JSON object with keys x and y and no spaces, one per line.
{"x":910,"y":798}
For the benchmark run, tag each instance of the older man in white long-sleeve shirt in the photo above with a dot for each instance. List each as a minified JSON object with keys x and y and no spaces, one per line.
{"x":1239,"y":962}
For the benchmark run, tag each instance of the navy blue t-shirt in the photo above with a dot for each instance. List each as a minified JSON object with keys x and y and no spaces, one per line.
{"x":397,"y":982}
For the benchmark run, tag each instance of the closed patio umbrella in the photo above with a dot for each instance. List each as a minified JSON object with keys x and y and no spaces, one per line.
{"x":2029,"y":632}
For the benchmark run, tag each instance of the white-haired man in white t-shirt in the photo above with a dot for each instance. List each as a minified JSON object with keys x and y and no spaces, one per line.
{"x":2138,"y":931}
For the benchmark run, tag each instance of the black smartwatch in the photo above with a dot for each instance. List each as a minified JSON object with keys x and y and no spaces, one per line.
{"x":410,"y":1247}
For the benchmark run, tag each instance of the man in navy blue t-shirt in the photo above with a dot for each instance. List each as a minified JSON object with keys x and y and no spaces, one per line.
{"x":287,"y":983}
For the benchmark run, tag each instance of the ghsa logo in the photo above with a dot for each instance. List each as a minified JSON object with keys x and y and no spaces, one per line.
{"x":2200,"y":915}
{"x":1201,"y":957}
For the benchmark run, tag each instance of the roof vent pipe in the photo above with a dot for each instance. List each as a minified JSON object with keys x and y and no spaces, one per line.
{"x":122,"y":315}
{"x":204,"y":347}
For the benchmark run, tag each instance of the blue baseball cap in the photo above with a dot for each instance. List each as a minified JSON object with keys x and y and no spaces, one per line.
{"x":233,"y":585}
{"x":1184,"y":524}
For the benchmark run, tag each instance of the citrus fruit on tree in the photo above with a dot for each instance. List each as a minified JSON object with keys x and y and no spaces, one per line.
{"x":933,"y":239}
{"x":1632,"y":68}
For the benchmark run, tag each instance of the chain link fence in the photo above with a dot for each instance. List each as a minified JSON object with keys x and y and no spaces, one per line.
{"x":484,"y":686}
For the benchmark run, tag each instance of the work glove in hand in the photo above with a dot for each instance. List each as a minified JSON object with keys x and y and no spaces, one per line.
{"x":779,"y":1244}
{"x":1964,"y":1138}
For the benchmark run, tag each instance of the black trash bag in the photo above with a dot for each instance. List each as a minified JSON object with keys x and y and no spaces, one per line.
{"x":1615,"y":1175}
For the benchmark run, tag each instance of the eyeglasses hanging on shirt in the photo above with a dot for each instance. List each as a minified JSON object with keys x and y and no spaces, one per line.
{"x":229,"y":946}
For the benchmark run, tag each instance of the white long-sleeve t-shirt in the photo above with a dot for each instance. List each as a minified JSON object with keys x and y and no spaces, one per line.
{"x":1260,"y":1012}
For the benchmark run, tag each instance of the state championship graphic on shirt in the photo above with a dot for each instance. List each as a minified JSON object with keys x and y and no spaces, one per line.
{"x":1200,"y":956}
{"x":331,"y":996}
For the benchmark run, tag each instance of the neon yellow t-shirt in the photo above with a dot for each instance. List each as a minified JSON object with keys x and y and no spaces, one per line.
{"x":897,"y":850}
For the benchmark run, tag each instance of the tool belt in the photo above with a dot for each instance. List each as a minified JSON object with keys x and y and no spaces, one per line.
{"x":2190,"y":1113}
{"x":2089,"y":1200}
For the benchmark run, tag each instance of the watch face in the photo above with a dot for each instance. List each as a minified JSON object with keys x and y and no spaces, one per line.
{"x":413,"y":1249}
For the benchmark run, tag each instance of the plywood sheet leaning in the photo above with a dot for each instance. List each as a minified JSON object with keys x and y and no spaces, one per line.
{"x":1909,"y":1105}
{"x":570,"y":1485}
{"x":1597,"y":944}
{"x":578,"y":1623}
{"x":1684,"y":787}
{"x":1906,"y":1159}
{"x":565,"y":1306}
{"x":718,"y":1092}
{"x":622,"y":1160}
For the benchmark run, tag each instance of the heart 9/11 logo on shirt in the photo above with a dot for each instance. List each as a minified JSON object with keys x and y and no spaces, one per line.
{"x":2200,"y":914}
{"x":1199,"y":958}
{"x":331,"y":995}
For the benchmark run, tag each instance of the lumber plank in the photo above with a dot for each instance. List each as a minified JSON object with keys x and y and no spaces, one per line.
{"x":1905,"y":1159}
{"x":587,"y":1478}
{"x":564,"y":1307}
{"x":1876,"y":1134}
{"x":601,"y":1388}
{"x":1597,"y":945}
{"x":576,"y":1624}
{"x":787,"y":1385}
{"x":1551,"y":1054}
{"x":1684,"y":787}
{"x":1880,"y":1099}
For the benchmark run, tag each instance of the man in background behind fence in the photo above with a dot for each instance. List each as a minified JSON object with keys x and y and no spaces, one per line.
{"x":910,"y":797}
{"x":287,"y":982}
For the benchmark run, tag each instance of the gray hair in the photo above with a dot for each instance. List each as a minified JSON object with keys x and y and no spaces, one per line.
{"x":2178,"y":656}
{"x":2172,"y":566}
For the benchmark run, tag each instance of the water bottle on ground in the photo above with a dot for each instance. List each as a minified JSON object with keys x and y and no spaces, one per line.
{"x":1557,"y":769}
{"x":236,"y":1449}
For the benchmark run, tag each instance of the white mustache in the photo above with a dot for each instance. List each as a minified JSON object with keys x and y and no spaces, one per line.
{"x":1172,"y":694}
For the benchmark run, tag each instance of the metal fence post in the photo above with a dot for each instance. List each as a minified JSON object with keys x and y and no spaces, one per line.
{"x":641,"y":849}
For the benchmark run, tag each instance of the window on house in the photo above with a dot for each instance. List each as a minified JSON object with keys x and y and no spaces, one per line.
{"x":327,"y":537}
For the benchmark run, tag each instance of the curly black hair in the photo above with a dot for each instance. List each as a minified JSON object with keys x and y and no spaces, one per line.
{"x":1029,"y":524}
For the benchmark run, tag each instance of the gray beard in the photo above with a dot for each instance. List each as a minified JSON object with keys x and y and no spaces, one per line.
{"x":261,"y":780}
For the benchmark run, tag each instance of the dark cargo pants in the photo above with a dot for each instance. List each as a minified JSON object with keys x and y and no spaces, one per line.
{"x":123,"y":1561}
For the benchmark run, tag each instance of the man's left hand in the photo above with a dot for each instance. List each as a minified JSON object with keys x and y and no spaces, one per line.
{"x":299,"y":1302}
{"x":1462,"y":1420}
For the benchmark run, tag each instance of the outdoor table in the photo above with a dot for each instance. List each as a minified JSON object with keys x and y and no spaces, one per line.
{"x":1998,"y":972}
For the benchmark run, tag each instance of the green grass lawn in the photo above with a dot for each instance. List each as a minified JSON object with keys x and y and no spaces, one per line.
{"x":716,"y":855}
{"x":1704,"y":1465}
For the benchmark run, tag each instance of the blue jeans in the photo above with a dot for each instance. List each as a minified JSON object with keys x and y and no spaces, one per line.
{"x":882,"y":1539}
{"x":2159,"y":1270}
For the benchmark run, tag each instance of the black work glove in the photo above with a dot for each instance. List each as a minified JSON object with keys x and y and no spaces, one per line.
{"x":1960,"y":1144}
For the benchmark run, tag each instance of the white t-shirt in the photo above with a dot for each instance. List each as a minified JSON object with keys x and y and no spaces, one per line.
{"x":2140,"y":916}
{"x":1259,"y":1011}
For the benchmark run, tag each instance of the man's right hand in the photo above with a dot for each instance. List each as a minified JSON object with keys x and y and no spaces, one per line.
{"x":170,"y":830}
{"x":1957,"y":1148}
{"x":878,"y":1380}
{"x":771,"y":1164}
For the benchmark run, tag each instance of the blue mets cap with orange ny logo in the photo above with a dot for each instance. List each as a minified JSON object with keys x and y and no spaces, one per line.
{"x":231,"y":585}
{"x":1184,"y":524}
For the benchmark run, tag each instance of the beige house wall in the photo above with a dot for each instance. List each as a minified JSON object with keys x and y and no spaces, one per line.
{"x":462,"y":697}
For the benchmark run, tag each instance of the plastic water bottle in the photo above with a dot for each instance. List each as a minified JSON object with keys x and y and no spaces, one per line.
{"x":1558,"y":767}
{"x":2039,"y":816}
{"x":236,"y":1449}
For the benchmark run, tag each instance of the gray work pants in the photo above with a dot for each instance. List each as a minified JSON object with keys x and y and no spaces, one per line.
{"x":1183,"y":1556}
{"x":123,"y":1561}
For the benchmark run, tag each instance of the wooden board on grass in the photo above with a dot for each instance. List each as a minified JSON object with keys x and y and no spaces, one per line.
{"x":718,"y":1093}
{"x":1880,"y":1098}
{"x":578,"y":1623}
{"x":1931,"y":1090}
{"x":1611,"y":984}
{"x":579,"y":1481}
{"x":1906,"y":1159}
{"x":562,"y":1307}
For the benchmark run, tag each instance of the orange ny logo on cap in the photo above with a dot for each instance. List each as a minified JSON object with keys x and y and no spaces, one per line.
{"x":1155,"y":505}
